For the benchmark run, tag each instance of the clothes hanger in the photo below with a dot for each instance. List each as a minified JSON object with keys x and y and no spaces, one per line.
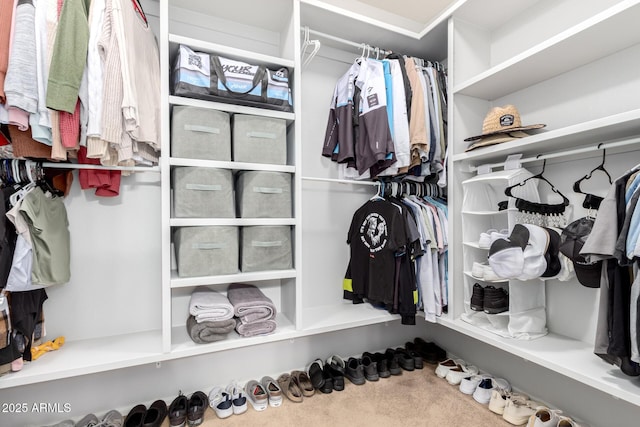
{"x":591,"y":201}
{"x":380,"y":192}
{"x":305,"y":45}
{"x":540,"y":176}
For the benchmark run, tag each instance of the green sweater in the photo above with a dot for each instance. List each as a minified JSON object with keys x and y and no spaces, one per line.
{"x":69,"y":56}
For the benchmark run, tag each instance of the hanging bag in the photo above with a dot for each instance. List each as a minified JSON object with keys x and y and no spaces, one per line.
{"x":216,"y":78}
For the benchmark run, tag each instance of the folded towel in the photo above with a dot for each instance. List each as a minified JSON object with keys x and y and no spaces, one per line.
{"x":206,"y":332}
{"x":207,"y":305}
{"x":253,"y":329}
{"x":250,"y":304}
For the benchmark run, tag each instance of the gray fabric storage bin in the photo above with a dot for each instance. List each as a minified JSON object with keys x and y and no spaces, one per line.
{"x":266,"y":248}
{"x":200,"y":133}
{"x":264,"y":194}
{"x":259,"y":139}
{"x":203,"y":193}
{"x":206,"y":251}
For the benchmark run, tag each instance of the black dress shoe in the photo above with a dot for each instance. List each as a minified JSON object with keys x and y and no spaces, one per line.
{"x":405,"y":359}
{"x":135,"y":416}
{"x":370,"y":367}
{"x":198,"y":403}
{"x":178,"y":411}
{"x":430,"y":352}
{"x":155,"y":415}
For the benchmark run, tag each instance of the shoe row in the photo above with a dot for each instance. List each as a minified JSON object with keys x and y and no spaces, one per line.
{"x":111,"y":418}
{"x":495,"y":393}
{"x":489,"y":299}
{"x":235,"y":399}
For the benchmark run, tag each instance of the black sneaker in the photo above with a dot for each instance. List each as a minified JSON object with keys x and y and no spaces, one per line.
{"x":198,"y":403}
{"x":417,"y":359}
{"x":430,"y":352}
{"x":355,"y":371}
{"x":477,"y":298}
{"x":178,"y":411}
{"x":392,"y":362}
{"x":381,"y":362}
{"x":405,"y":360}
{"x":370,"y":367}
{"x":496,"y":300}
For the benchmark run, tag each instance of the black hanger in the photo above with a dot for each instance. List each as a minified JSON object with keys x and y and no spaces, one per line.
{"x":541,"y":177}
{"x":591,"y":201}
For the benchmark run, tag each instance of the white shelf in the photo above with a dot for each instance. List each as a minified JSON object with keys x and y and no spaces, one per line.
{"x":230,"y":52}
{"x":240,"y":222}
{"x":176,"y":161}
{"x":185,"y":282}
{"x":89,"y":356}
{"x":611,"y":128}
{"x":183,"y":345}
{"x":485,"y":213}
{"x":574,"y":47}
{"x":567,"y":356}
{"x":231,"y":108}
{"x":468,"y":274}
{"x":475,"y":245}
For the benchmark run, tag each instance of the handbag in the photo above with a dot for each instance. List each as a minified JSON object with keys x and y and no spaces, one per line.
{"x":217,"y":78}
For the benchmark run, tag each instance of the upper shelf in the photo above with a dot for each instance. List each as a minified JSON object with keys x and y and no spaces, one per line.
{"x":232,"y":108}
{"x":611,"y":128}
{"x":177,"y":161}
{"x":185,"y":282}
{"x":583,"y":43}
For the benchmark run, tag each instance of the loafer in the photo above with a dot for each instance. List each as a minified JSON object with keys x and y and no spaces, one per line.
{"x":392,"y":362}
{"x":198,"y":403}
{"x":430,"y":352}
{"x":355,"y":371}
{"x":405,"y":360}
{"x":155,"y":415}
{"x":178,"y":411}
{"x":135,"y":416}
{"x":370,"y":367}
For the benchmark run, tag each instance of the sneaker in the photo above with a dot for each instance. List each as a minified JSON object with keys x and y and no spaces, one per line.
{"x":457,"y":374}
{"x":112,"y":418}
{"x":430,"y":352}
{"x":370,"y":367}
{"x":88,"y":420}
{"x":477,"y":298}
{"x":392,"y":362}
{"x":274,"y":392}
{"x":417,"y":359}
{"x":257,"y":395}
{"x":405,"y":360}
{"x":178,"y":411}
{"x":198,"y":403}
{"x":499,"y":399}
{"x":220,"y":402}
{"x":518,"y":412}
{"x":496,"y":300}
{"x":486,"y":239}
{"x":482,"y":394}
{"x":443,"y":367}
{"x":544,"y":417}
{"x":355,"y":371}
{"x":567,"y":422}
{"x":484,"y":272}
{"x":469,"y":384}
{"x":238,"y":398}
{"x":382,"y":365}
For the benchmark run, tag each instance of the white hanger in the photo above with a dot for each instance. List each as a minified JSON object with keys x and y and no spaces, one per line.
{"x":305,"y":45}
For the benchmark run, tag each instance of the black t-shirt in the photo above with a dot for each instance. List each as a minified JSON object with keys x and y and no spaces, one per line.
{"x":376,"y":235}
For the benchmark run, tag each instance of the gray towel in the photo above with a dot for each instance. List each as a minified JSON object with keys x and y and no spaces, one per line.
{"x":250,"y":304}
{"x":206,"y":332}
{"x":255,"y":328}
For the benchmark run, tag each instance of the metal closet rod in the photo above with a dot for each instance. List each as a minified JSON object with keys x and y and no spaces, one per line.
{"x":600,"y":146}
{"x":344,"y":41}
{"x":339,"y":181}
{"x":98,"y":167}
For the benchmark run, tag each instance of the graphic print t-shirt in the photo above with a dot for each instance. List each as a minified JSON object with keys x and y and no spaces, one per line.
{"x":376,"y":234}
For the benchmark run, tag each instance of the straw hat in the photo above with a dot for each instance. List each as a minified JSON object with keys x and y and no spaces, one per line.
{"x":500,"y":125}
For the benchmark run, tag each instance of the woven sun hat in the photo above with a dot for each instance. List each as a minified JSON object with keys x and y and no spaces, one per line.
{"x":501,"y":124}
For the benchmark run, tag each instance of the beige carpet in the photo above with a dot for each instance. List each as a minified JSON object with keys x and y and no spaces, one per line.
{"x":416,"y":398}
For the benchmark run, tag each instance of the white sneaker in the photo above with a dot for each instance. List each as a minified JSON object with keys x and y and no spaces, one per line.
{"x":443,"y":367}
{"x":220,"y":402}
{"x":238,"y":398}
{"x":486,"y":239}
{"x":501,"y":384}
{"x":544,"y":417}
{"x":469,"y":384}
{"x":484,"y":272}
{"x":482,"y":394}
{"x":567,"y":422}
{"x":257,"y":395}
{"x":519,"y":412}
{"x":457,"y":374}
{"x":499,"y":399}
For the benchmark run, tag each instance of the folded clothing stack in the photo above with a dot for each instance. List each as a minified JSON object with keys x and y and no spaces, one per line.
{"x":255,"y":312}
{"x":210,"y":316}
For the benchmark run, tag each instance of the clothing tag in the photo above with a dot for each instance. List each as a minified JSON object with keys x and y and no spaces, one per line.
{"x":138,"y":8}
{"x":347,"y":285}
{"x":372,"y":100}
{"x":513,"y":162}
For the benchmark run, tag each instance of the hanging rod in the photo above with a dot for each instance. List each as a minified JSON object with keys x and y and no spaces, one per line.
{"x":100,"y":167}
{"x":340,"y":181}
{"x":344,"y":41}
{"x":599,"y":146}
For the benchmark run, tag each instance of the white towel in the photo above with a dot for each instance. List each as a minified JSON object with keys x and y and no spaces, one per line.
{"x":210,"y":306}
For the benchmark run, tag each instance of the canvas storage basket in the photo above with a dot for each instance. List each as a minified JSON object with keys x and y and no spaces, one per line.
{"x":203,"y":193}
{"x":213,"y":77}
{"x":264,"y":194}
{"x":206,"y":251}
{"x":259,"y":139}
{"x":266,"y":248}
{"x":200,"y":133}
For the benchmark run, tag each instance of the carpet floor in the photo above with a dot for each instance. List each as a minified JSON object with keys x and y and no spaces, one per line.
{"x":417,"y":398}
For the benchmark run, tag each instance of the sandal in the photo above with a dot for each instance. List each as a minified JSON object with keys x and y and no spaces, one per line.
{"x":290,"y":388}
{"x":301,"y":378}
